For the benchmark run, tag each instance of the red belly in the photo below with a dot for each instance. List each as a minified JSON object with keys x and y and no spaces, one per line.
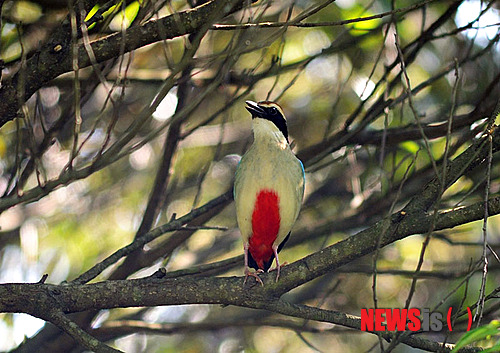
{"x":265,"y":226}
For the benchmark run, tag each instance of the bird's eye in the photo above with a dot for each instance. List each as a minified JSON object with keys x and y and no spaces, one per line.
{"x":273,"y":111}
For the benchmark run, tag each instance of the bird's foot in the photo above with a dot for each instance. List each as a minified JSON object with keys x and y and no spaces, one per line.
{"x":253,"y":274}
{"x":278,"y":268}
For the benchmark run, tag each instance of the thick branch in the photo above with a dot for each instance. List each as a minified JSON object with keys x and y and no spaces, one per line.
{"x":36,"y":298}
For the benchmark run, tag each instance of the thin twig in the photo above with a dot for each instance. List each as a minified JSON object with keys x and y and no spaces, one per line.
{"x":147,"y":237}
{"x":231,"y":27}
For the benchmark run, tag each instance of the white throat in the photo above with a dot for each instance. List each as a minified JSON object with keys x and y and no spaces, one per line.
{"x":265,"y":132}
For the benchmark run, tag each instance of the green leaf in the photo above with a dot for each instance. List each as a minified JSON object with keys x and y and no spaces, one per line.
{"x":131,"y":11}
{"x":410,"y":146}
{"x":92,"y":12}
{"x":124,"y":18}
{"x":478,"y":334}
{"x":494,"y":349}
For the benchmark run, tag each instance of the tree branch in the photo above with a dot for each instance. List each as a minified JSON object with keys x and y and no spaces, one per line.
{"x":36,"y":298}
{"x":49,"y":62}
{"x":79,"y":335}
{"x":151,"y":235}
{"x":337,"y":317}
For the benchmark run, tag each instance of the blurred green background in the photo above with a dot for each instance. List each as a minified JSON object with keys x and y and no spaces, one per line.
{"x":342,"y":90}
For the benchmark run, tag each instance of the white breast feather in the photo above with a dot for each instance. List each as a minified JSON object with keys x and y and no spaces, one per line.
{"x":267,"y":165}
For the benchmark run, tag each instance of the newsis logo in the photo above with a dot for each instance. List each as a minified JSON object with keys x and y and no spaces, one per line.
{"x":412,"y":319}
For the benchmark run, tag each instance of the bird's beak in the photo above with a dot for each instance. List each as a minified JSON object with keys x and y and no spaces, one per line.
{"x":254,"y":109}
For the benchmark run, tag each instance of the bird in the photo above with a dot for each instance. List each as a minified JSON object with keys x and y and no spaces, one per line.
{"x":268,"y":189}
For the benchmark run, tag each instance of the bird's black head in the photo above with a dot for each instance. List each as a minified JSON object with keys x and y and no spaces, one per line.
{"x":270,"y":111}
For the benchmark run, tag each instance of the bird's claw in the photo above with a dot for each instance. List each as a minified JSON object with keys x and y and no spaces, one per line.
{"x":278,"y":268}
{"x":253,"y":274}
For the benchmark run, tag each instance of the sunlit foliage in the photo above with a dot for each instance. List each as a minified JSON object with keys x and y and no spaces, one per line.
{"x":380,"y":97}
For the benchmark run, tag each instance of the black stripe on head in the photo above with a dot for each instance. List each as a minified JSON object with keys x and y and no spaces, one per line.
{"x":270,"y":111}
